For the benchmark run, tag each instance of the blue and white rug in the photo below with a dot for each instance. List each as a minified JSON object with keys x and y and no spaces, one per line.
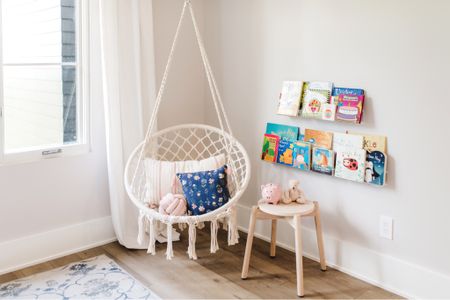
{"x":95,"y":278}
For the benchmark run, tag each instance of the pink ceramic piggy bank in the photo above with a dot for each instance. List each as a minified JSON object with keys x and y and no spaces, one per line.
{"x":271,"y":193}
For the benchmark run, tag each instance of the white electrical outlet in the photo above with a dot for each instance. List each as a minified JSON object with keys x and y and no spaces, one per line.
{"x":386,"y":227}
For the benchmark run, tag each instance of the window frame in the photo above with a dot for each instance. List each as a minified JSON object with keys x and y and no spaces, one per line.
{"x":83,"y":92}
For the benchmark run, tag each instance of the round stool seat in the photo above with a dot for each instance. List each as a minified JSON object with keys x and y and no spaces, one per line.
{"x":287,"y":210}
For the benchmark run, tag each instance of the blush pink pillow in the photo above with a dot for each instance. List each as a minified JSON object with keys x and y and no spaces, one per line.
{"x":173,"y":205}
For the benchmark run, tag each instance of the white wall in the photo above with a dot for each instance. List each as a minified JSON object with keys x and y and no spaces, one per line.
{"x":44,"y":204}
{"x":183,"y":101}
{"x":398,"y":51}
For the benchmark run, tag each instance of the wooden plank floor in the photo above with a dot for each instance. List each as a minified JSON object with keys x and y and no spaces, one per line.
{"x":218,"y":275}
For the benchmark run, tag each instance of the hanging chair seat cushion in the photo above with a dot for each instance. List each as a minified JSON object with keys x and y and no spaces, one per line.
{"x":205,"y":191}
{"x":161,"y":175}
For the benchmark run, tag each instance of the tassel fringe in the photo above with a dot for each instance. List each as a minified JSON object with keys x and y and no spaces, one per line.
{"x":152,"y":236}
{"x":214,"y":243}
{"x":169,"y":251}
{"x":233,"y":234}
{"x":192,"y":238}
{"x":141,"y":225}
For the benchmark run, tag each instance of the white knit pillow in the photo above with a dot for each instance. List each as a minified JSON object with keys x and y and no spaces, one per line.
{"x":160,"y":175}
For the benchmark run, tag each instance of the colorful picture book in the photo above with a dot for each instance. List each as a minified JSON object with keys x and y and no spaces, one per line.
{"x":319,"y":138}
{"x":375,"y":170}
{"x":317,"y":94}
{"x":290,"y":97}
{"x":285,"y":153}
{"x":328,"y":112}
{"x":350,"y":108}
{"x":302,"y":155}
{"x":350,"y":164}
{"x":270,"y":147}
{"x":323,"y":161}
{"x":337,"y":91}
{"x":285,"y":132}
{"x":304,"y":89}
{"x":372,"y":142}
{"x":344,"y":141}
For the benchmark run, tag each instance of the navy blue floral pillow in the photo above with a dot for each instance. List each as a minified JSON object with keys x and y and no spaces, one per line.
{"x":205,"y":191}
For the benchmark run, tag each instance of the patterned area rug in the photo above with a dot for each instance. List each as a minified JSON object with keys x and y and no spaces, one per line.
{"x":95,"y":278}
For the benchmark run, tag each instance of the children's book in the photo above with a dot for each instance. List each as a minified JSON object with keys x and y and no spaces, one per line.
{"x":290,"y":97}
{"x":270,"y":147}
{"x":285,"y":153}
{"x":319,"y":138}
{"x":304,"y":89}
{"x":350,"y":108}
{"x":344,"y":141}
{"x":373,"y":142}
{"x":337,"y":91}
{"x":350,"y":164}
{"x":317,"y":94}
{"x":375,"y":172}
{"x":323,"y":161}
{"x":328,"y":112}
{"x":347,"y":91}
{"x":302,"y":155}
{"x":285,"y":132}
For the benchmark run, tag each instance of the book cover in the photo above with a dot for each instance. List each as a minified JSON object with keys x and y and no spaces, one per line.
{"x":375,"y":172}
{"x":350,"y":108}
{"x":343,"y":141}
{"x":270,"y":147}
{"x":374,"y":143}
{"x":328,"y":112}
{"x":317,"y":94}
{"x":302,"y":155}
{"x":347,"y":91}
{"x":304,"y":89}
{"x":319,"y":138}
{"x":350,"y":164}
{"x":290,"y":97}
{"x":285,"y":153}
{"x":323,"y":161}
{"x":285,"y":132}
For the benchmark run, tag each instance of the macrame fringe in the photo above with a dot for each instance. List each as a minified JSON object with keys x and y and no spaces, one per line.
{"x":169,"y":251}
{"x":192,"y":238}
{"x":233,"y":234}
{"x":182,"y":226}
{"x":214,"y":243}
{"x":141,"y":229}
{"x":201,"y":225}
{"x":152,"y":236}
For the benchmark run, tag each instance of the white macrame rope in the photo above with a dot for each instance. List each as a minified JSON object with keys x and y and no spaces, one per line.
{"x":169,"y":251}
{"x":192,"y":239}
{"x":214,"y":243}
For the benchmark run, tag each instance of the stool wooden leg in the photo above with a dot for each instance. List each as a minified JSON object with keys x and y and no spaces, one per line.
{"x":299,"y":255}
{"x":323,"y":264}
{"x":273,"y":240}
{"x":248,"y":246}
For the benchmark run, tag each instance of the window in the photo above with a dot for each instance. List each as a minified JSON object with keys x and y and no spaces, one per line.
{"x":43,"y":80}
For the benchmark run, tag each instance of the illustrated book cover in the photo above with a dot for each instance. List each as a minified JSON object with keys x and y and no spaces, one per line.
{"x":302,"y":155}
{"x":319,"y":138}
{"x":373,"y":142}
{"x":285,"y":132}
{"x":337,"y":91}
{"x":328,"y":112}
{"x":350,"y":164}
{"x":270,"y":147}
{"x":317,"y":94}
{"x":285,"y":153}
{"x":343,"y":141}
{"x":375,"y":172}
{"x":322,"y":161}
{"x":350,"y":108}
{"x":290,"y":97}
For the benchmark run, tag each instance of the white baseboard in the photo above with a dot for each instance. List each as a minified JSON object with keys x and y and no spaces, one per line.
{"x":35,"y":249}
{"x":390,"y":273}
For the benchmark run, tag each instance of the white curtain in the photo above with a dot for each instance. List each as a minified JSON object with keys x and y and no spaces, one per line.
{"x":128,"y":89}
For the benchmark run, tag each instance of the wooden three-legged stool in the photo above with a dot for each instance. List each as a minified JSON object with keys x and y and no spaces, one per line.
{"x":292,"y":213}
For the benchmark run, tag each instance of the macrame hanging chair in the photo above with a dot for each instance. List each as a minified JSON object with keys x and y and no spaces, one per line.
{"x":188,"y":142}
